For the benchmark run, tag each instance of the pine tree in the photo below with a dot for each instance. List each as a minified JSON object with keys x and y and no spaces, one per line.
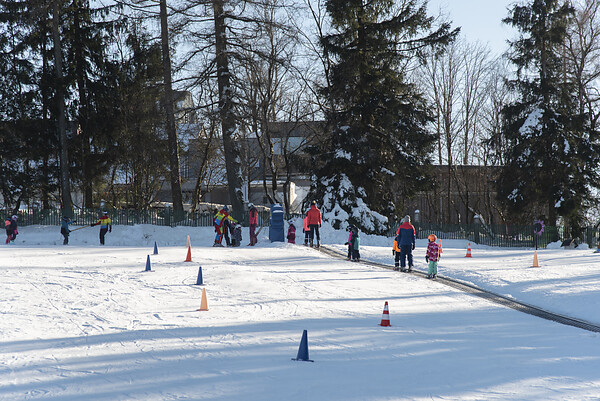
{"x":377,"y":118}
{"x":550,"y":159}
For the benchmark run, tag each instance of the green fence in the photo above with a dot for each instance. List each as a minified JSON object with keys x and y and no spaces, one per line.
{"x":493,"y":235}
{"x":157,"y":217}
{"x":501,"y":235}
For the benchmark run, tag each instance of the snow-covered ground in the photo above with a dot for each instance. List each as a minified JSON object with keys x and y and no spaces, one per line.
{"x":85,"y":322}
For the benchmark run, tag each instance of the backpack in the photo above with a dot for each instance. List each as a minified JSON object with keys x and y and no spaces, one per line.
{"x":7,"y":223}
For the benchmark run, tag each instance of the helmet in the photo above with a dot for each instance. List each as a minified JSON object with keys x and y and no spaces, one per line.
{"x":225,"y":208}
{"x":432,"y":238}
{"x":14,"y":217}
{"x":250,"y":204}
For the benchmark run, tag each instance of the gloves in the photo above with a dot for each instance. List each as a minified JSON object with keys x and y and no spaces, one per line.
{"x":426,"y":258}
{"x":110,"y":230}
{"x":393,"y":252}
{"x":347,"y":243}
{"x":413,"y":247}
{"x":92,"y":225}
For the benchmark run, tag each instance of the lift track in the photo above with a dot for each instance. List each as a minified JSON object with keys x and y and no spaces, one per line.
{"x":485,"y":294}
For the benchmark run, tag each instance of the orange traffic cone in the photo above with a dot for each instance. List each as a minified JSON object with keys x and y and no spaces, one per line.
{"x":440,"y":245}
{"x":385,"y":319}
{"x":188,"y":241}
{"x":189,"y":254}
{"x":204,"y":302}
{"x":468,"y":255}
{"x":535,"y":260}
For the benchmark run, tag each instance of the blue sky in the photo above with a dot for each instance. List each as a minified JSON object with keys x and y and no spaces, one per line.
{"x":480,"y":20}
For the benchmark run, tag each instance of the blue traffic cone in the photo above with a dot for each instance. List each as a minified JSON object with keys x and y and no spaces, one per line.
{"x":155,"y":248}
{"x":199,"y":280}
{"x":148,"y":264}
{"x":303,"y":349}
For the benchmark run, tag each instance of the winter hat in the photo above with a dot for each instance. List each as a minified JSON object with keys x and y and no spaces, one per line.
{"x":407,"y":219}
{"x":225,"y":208}
{"x":250,"y":204}
{"x":14,"y":217}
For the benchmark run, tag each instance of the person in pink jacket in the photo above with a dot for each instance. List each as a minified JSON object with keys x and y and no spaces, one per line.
{"x":314,"y":222}
{"x":291,"y":234}
{"x":305,"y":230}
{"x":433,"y":256}
{"x":253,"y":223}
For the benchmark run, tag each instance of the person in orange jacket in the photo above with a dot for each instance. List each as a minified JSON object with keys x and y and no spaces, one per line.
{"x":314,"y":222}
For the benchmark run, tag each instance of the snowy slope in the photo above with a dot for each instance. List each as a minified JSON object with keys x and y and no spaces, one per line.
{"x":86,"y":322}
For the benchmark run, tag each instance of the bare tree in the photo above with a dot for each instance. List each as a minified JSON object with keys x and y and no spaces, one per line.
{"x":583,"y":55}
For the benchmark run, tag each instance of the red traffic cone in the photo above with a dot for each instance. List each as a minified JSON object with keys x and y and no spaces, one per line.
{"x":189,"y":254}
{"x":385,"y":319}
{"x":468,"y":255}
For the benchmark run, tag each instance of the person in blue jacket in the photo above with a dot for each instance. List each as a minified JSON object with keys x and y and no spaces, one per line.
{"x":64,"y":229}
{"x":406,"y":238}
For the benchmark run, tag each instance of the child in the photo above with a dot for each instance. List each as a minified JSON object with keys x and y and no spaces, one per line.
{"x":432,"y":256}
{"x":11,"y":229}
{"x":236,"y":236}
{"x":349,"y":243}
{"x":64,"y":229}
{"x":291,"y":235}
{"x":355,"y":244}
{"x":396,"y":253}
{"x":306,"y":230}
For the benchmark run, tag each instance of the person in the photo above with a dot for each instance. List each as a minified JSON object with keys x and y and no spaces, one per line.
{"x":11,"y":229}
{"x":105,"y":226}
{"x":291,"y":234}
{"x":306,"y":230}
{"x":396,"y":253}
{"x":219,"y":223}
{"x":228,"y":229}
{"x":64,"y":229}
{"x":236,"y":236}
{"x":314,"y":222}
{"x":349,"y":243}
{"x":406,"y":239}
{"x":253,"y":222}
{"x":355,"y":244}
{"x":432,"y":256}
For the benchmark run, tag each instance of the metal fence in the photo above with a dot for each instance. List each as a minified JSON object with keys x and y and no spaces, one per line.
{"x":493,"y":235}
{"x":501,"y":235}
{"x":157,"y":217}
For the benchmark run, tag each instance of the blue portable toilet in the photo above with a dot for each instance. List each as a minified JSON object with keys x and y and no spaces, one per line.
{"x":276,"y":227}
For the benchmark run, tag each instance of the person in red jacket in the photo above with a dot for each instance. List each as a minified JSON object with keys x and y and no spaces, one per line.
{"x":314,"y":222}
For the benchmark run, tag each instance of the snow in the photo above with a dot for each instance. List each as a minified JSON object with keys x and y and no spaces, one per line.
{"x":532,"y":122}
{"x":86,"y":322}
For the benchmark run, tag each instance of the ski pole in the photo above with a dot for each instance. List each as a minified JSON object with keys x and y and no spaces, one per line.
{"x":80,"y":228}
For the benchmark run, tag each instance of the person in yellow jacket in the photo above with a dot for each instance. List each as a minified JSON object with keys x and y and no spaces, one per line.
{"x":105,"y":226}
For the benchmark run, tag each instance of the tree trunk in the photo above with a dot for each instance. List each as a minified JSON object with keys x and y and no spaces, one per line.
{"x":65,"y":178}
{"x":170,"y":113}
{"x":83,"y":113}
{"x":228,"y":123}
